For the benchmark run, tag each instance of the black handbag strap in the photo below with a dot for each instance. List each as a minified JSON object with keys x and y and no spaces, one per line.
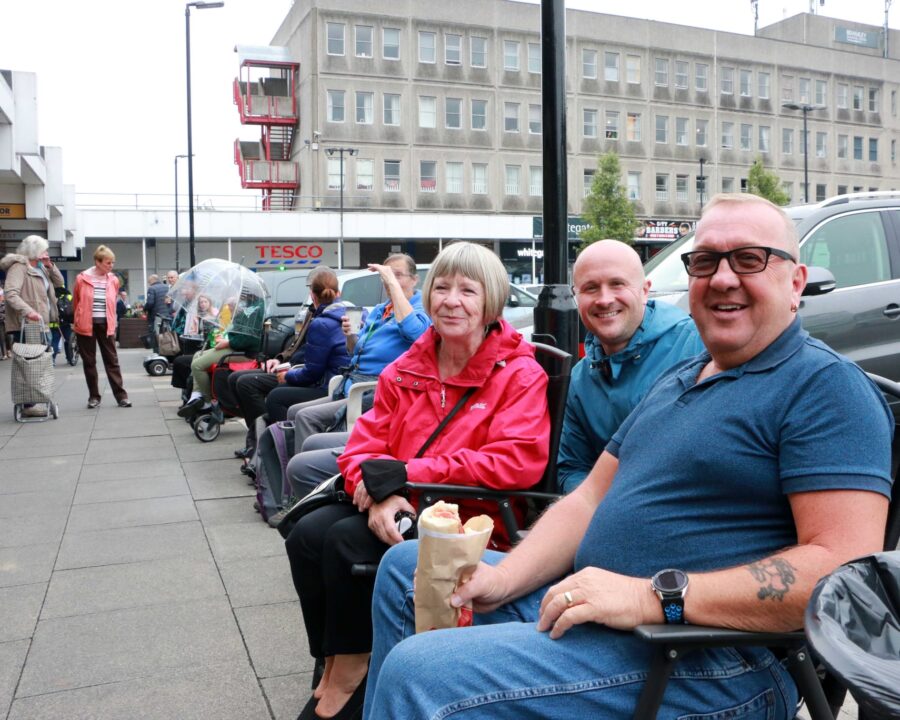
{"x":437,"y":431}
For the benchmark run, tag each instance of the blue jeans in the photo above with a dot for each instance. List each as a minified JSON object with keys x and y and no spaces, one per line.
{"x":504,"y":668}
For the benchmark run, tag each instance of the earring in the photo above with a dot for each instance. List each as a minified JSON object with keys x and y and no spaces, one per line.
{"x":793,"y":308}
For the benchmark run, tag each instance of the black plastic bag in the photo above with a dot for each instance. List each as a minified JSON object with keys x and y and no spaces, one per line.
{"x":853,"y":626}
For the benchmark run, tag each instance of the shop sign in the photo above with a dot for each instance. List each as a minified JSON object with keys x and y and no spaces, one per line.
{"x":12,"y":211}
{"x":663,"y":229}
{"x":860,"y":38}
{"x":289,"y":254}
{"x":574,"y":225}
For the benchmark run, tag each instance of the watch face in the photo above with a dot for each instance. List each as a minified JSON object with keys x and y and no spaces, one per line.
{"x":670,"y":580}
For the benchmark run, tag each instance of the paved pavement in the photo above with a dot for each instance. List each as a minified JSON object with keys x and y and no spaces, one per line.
{"x":136,"y":581}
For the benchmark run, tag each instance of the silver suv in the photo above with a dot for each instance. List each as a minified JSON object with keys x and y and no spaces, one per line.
{"x":854,"y":239}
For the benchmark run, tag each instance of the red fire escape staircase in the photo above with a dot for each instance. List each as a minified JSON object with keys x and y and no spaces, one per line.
{"x":265,"y":94}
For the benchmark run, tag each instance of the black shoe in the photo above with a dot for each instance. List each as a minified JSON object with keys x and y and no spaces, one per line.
{"x":243,"y":454}
{"x":351,"y":710}
{"x":190,"y":407}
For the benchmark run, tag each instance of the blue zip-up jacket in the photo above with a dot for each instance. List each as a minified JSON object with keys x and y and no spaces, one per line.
{"x":325,"y":348}
{"x":596,"y":406}
{"x":388,"y":339}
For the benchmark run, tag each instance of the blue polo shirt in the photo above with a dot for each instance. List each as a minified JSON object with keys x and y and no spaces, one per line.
{"x":705,"y":469}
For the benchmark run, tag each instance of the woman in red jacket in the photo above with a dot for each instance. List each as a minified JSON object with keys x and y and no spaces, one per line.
{"x":94,"y":302}
{"x":498,"y":439}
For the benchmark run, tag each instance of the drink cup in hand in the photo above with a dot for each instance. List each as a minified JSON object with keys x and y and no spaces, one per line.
{"x":355,"y":317}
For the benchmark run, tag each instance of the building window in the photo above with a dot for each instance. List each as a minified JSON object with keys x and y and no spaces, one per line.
{"x":746,"y":83}
{"x":612,"y":125}
{"x":873,"y":149}
{"x":365,"y":174}
{"x":764,"y":82}
{"x":787,"y":141}
{"x":511,"y":55}
{"x":510,"y":117}
{"x":634,"y":185}
{"x":764,"y":135}
{"x":633,"y":69}
{"x":857,"y":148}
{"x":335,"y":106}
{"x":787,"y":88}
{"x":391,"y":109}
{"x":479,"y":114}
{"x":893,"y":150}
{"x":894,"y":103}
{"x":820,"y":92}
{"x":804,"y":90}
{"x":427,"y":111}
{"x":662,"y":129}
{"x":858,"y":91}
{"x":392,"y":176}
{"x":427,"y":176}
{"x":535,"y":181}
{"x":365,"y":104}
{"x":821,"y":144}
{"x":479,"y":179}
{"x":335,"y":181}
{"x":821,"y":193}
{"x":512,"y":179}
{"x":843,"y":96}
{"x":662,"y":187}
{"x":681,"y":188}
{"x":746,"y":140}
{"x":454,"y":177}
{"x":589,"y":64}
{"x":727,"y":184}
{"x":535,"y":120}
{"x":843,"y":144}
{"x":702,"y":132}
{"x":611,"y":67}
{"x":727,"y":135}
{"x":589,"y":129}
{"x":681,"y":74}
{"x":453,"y":113}
{"x":453,"y":49}
{"x":873,"y":99}
{"x":335,"y":43}
{"x":727,"y":80}
{"x":588,"y":182}
{"x":789,"y":190}
{"x":661,"y":75}
{"x":478,"y":51}
{"x":534,"y":58}
{"x":633,"y":127}
{"x":364,"y":41}
{"x":841,"y":189}
{"x":390,"y":43}
{"x":427,"y":44}
{"x":701,"y":77}
{"x":681,"y":131}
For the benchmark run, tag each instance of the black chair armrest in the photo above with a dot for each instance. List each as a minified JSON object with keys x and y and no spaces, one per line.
{"x":701,"y":636}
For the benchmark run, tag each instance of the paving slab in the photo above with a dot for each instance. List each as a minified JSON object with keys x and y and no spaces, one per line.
{"x":226,"y":511}
{"x":19,"y":609}
{"x":27,"y":565}
{"x":72,"y":652}
{"x":131,"y":429}
{"x":129,"y":585}
{"x":146,"y":449}
{"x":132,"y":470}
{"x":51,"y":481}
{"x":276,"y":639}
{"x":287,"y":694}
{"x":244,"y":541}
{"x":114,"y":490}
{"x":33,"y":504}
{"x":125,"y":545}
{"x":45,"y":526}
{"x":12,"y":659}
{"x":130,"y":513}
{"x":191,"y":449}
{"x":64,"y":425}
{"x":261,"y":581}
{"x":217,"y":479}
{"x":32,"y":447}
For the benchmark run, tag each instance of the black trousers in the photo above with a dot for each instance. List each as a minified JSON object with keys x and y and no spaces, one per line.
{"x":251,"y":388}
{"x":281,"y":398}
{"x":337,"y":607}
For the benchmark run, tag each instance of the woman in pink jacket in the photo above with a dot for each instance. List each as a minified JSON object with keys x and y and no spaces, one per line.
{"x":94,"y":301}
{"x":498,"y":439}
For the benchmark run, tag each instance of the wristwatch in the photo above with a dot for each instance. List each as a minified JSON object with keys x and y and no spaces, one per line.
{"x":670,"y":587}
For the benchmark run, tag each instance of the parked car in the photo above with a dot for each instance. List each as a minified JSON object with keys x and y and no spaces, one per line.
{"x":854,"y":238}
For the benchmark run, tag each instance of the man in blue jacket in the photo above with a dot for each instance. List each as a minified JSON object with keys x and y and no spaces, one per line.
{"x":631,"y":341}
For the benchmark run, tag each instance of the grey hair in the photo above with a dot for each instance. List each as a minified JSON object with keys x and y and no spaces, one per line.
{"x":32,"y":247}
{"x":153,"y":279}
{"x":404,"y":258}
{"x":475,"y":262}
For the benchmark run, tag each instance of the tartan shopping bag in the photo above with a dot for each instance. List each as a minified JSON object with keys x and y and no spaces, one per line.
{"x":31,"y":379}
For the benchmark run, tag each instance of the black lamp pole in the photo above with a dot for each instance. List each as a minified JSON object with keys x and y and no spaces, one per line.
{"x":804,"y":108}
{"x":702,"y":180}
{"x":177,"y":255}
{"x":190,"y":144}
{"x":351,"y":152}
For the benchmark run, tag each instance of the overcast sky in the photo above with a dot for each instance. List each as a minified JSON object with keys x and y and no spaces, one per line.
{"x":111,"y":77}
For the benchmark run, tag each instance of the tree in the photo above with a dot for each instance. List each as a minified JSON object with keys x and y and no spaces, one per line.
{"x":766,"y":184}
{"x":607,"y":207}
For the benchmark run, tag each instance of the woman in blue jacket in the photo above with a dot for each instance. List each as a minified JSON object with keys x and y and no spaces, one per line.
{"x":326,"y":350}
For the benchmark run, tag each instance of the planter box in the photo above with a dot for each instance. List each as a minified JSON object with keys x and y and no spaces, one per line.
{"x":130,"y":331}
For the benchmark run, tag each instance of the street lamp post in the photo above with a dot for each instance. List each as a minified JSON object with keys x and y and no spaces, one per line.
{"x":177,"y":255}
{"x":805,"y":109}
{"x":701,"y":179}
{"x":351,"y":152}
{"x":190,"y":144}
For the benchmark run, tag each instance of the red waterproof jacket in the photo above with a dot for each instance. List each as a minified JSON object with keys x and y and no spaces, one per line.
{"x":500,"y":439}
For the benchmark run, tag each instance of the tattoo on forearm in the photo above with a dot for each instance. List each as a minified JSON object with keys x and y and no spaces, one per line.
{"x":776,"y":576}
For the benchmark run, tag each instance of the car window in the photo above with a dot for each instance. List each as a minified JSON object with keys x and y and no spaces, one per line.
{"x":525,"y":300}
{"x":364,"y":291}
{"x":291,"y":291}
{"x":852,"y":246}
{"x":666,"y":271}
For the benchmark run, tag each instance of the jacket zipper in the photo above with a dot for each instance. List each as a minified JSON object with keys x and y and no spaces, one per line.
{"x":443,"y":397}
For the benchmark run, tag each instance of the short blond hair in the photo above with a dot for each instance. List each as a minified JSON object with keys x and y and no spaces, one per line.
{"x":790,"y":237}
{"x":474,"y":262}
{"x":104,"y":253}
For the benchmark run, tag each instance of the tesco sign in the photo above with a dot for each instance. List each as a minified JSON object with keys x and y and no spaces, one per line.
{"x":289,"y":254}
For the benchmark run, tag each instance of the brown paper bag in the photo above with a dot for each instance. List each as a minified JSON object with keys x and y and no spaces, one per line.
{"x":446,"y":561}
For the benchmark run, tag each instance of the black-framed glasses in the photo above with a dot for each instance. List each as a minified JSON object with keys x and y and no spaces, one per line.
{"x":742,"y":261}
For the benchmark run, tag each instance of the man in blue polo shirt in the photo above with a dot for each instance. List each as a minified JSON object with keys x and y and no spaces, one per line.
{"x":744,"y":476}
{"x":631,"y":341}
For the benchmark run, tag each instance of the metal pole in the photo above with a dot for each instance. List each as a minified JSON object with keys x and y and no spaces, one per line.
{"x":190,"y":144}
{"x":341,"y":238}
{"x":702,"y":179}
{"x":805,"y":109}
{"x":177,"y":257}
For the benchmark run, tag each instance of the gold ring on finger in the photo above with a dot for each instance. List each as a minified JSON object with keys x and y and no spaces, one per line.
{"x":568,"y":596}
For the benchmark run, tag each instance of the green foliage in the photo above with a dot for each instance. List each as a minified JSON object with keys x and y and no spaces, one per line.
{"x":607,"y":207}
{"x":766,"y":184}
